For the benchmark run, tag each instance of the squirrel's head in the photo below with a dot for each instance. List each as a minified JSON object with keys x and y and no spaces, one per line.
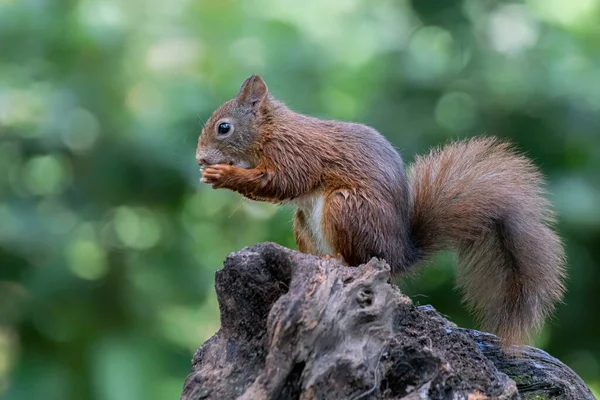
{"x":231,"y":133}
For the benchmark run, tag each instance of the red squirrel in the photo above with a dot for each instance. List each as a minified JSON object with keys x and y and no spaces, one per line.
{"x":355,"y":201}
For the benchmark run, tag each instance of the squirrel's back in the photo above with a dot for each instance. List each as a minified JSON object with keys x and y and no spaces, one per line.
{"x":349,"y":153}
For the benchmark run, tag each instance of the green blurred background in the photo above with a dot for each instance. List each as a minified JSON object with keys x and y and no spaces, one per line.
{"x":108,"y":243}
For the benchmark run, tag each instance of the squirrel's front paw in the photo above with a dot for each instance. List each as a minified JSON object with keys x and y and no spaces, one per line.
{"x":216,"y":174}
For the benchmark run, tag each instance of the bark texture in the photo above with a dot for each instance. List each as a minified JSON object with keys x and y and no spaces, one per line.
{"x":294,"y":326}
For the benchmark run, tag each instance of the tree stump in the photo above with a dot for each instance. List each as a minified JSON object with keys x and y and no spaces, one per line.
{"x":295,"y":326}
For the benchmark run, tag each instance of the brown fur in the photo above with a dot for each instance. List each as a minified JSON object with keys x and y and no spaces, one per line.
{"x":485,"y":201}
{"x":478,"y":197}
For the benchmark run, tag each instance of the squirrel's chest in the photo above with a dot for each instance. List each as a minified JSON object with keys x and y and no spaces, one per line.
{"x":312,"y":208}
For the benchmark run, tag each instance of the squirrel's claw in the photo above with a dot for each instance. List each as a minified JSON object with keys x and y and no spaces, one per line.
{"x":338,"y":257}
{"x":214,"y":174}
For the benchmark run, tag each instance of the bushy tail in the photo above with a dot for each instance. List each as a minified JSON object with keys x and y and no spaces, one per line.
{"x":486,"y":202}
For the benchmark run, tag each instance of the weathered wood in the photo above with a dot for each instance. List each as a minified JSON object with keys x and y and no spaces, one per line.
{"x":294,"y":326}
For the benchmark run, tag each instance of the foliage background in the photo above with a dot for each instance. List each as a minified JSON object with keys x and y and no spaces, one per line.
{"x":108,"y":243}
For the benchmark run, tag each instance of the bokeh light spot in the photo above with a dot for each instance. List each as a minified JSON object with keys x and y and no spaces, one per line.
{"x":512,"y":30}
{"x":81,"y":130}
{"x":136,"y":228}
{"x":95,"y":13}
{"x":430,"y":53}
{"x":174,"y":54}
{"x":46,"y":175}
{"x":86,"y":259}
{"x":563,"y":12}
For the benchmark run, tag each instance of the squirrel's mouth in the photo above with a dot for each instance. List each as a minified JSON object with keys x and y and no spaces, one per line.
{"x":211,"y":156}
{"x":233,"y":163}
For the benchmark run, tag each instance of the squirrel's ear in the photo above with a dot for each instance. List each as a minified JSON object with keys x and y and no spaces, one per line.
{"x":253,"y":91}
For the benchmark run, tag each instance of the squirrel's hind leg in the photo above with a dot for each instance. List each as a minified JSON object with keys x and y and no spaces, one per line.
{"x":338,"y":257}
{"x":306,"y":242}
{"x":304,"y":239}
{"x":356,"y":228}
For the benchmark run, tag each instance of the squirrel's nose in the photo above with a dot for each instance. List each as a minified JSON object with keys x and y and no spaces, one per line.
{"x":201,"y":158}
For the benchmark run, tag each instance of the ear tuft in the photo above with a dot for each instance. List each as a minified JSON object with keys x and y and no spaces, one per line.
{"x":253,"y":91}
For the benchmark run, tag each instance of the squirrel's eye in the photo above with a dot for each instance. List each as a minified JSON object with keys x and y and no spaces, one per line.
{"x":224,"y":128}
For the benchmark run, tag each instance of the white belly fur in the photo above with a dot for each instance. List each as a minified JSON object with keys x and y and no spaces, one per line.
{"x":312,"y":207}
